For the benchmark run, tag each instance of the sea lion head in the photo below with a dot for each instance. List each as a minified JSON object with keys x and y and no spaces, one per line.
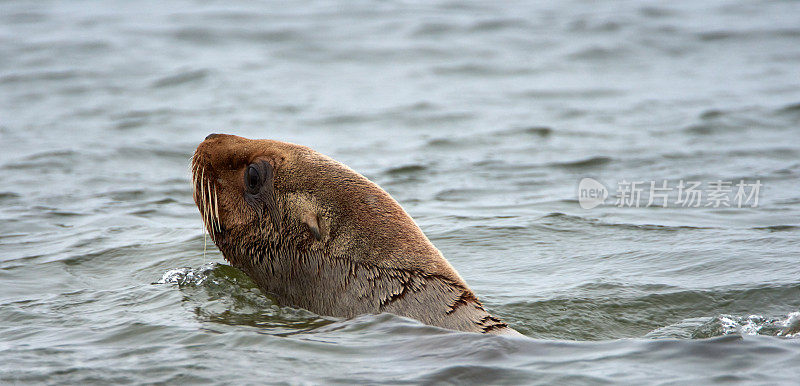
{"x":267,"y":199}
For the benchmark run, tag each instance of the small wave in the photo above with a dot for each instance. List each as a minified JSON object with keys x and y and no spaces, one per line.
{"x":146,"y":113}
{"x":561,"y":220}
{"x":778,"y":228}
{"x":656,"y":12}
{"x":26,"y":17}
{"x":584,"y":163}
{"x":33,"y":76}
{"x":480,"y":70}
{"x":570,"y":94}
{"x":727,"y":122}
{"x":406,"y":169}
{"x":181,"y":78}
{"x":8,"y":196}
{"x":52,"y":155}
{"x":459,"y":194}
{"x":211,"y":36}
{"x":433,"y":29}
{"x":540,"y":131}
{"x":444,"y":143}
{"x":621,"y":310}
{"x":748,"y":34}
{"x":711,"y":114}
{"x":156,"y":151}
{"x":382,"y":323}
{"x":136,"y":118}
{"x":790,"y":109}
{"x":421,"y":106}
{"x":195,"y":35}
{"x":701,"y":129}
{"x":599,"y":53}
{"x":474,"y":374}
{"x":499,"y":24}
{"x":57,"y":159}
{"x":591,"y":25}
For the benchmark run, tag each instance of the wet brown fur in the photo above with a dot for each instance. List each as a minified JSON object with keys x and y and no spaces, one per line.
{"x":325,"y":238}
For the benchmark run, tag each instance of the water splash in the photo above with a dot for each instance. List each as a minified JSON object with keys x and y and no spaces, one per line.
{"x":726,"y":324}
{"x":788,"y":326}
{"x":224,"y":295}
{"x":187,"y":276}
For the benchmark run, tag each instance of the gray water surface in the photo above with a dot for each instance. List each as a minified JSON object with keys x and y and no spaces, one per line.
{"x":480,"y":118}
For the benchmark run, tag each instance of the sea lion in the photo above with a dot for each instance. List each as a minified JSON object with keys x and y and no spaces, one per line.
{"x":320,"y":236}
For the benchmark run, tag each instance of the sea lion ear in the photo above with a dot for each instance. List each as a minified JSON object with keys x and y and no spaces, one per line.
{"x":311,"y":220}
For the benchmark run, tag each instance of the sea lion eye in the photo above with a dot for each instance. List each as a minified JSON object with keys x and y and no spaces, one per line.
{"x":253,"y":179}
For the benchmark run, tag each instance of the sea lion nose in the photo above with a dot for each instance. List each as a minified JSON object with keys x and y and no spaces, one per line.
{"x":212,"y":135}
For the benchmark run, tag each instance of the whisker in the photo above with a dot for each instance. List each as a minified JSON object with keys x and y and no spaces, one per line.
{"x":207,"y":209}
{"x":202,"y":179}
{"x":210,"y":211}
{"x":198,"y":172}
{"x":203,"y":198}
{"x":216,"y":210}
